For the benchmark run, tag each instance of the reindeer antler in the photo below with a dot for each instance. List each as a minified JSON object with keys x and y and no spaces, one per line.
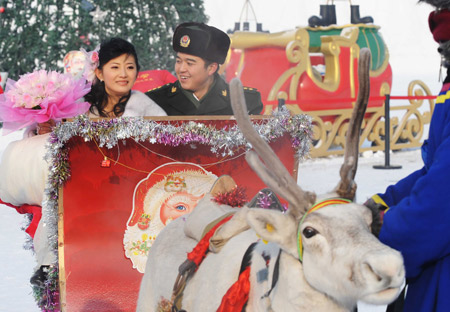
{"x":277,"y":177}
{"x":346,"y":188}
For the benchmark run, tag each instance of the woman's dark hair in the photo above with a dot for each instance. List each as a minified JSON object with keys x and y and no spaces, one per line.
{"x":98,"y":97}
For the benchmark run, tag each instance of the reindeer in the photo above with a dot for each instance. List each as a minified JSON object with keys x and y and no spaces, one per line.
{"x":321,"y":260}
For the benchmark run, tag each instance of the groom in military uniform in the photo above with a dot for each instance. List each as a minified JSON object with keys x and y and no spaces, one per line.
{"x":199,"y":89}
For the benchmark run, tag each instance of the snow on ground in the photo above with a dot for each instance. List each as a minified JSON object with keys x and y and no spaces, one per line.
{"x":321,"y":175}
{"x":16,"y":264}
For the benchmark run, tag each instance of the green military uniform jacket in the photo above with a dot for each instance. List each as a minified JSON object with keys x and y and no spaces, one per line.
{"x":175,"y":101}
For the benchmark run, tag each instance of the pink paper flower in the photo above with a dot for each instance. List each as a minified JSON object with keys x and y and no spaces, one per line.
{"x":91,"y":63}
{"x":40,"y":96}
{"x":94,"y":57}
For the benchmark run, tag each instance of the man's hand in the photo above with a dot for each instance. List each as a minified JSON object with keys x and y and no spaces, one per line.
{"x":378,"y":207}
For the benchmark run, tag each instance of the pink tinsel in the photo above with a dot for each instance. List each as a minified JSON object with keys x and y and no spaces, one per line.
{"x":40,"y":96}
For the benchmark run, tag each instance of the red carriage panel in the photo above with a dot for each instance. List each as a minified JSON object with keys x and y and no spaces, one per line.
{"x":102,"y":210}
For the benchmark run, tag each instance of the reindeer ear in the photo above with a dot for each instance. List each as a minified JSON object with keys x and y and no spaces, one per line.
{"x":223,"y":184}
{"x":274,"y":226}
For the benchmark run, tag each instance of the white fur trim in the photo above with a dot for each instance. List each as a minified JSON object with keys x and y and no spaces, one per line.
{"x":23,"y":171}
{"x":140,"y":104}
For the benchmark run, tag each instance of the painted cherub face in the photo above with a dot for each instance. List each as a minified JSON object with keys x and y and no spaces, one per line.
{"x":74,"y":63}
{"x":177,"y":205}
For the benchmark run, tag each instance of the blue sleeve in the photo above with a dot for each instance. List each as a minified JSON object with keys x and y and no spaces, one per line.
{"x":395,"y":193}
{"x":418,"y":223}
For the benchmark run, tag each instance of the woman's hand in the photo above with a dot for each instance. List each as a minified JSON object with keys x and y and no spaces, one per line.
{"x":45,"y":127}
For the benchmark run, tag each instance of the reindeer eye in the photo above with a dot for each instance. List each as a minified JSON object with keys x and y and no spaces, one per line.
{"x":309,"y":232}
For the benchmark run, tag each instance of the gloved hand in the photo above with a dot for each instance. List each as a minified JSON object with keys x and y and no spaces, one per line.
{"x":378,"y":207}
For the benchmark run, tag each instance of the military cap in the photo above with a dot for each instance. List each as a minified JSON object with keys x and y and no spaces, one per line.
{"x":201,"y":40}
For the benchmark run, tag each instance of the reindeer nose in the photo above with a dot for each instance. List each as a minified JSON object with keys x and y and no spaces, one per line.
{"x":384,"y":269}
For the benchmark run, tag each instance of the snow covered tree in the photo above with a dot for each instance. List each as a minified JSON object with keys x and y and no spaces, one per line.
{"x":38,"y":33}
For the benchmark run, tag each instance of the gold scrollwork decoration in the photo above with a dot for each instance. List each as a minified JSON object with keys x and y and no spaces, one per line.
{"x":297,"y":54}
{"x":406,"y":126}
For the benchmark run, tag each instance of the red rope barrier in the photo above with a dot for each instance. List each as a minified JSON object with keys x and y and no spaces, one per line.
{"x":372,"y":98}
{"x":423,"y":97}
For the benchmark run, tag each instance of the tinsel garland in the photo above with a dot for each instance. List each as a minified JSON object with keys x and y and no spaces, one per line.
{"x":268,"y":200}
{"x":234,"y":198}
{"x":47,"y":298}
{"x":109,"y":132}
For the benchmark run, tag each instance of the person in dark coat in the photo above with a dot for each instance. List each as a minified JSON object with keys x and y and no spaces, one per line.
{"x":199,"y":89}
{"x":417,"y":208}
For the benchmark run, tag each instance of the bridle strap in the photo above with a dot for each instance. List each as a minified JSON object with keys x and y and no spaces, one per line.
{"x":316,"y":206}
{"x":276,"y":274}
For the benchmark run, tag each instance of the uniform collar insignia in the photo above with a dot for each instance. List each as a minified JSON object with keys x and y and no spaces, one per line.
{"x":174,"y":89}
{"x":224,"y":92}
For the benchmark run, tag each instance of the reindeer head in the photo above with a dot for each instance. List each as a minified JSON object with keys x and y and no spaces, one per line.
{"x":340,"y":257}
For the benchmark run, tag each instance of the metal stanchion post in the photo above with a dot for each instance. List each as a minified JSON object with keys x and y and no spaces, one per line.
{"x":387,"y":140}
{"x":281,"y":102}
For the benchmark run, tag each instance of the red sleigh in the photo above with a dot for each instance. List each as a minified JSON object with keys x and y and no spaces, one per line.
{"x":310,"y":68}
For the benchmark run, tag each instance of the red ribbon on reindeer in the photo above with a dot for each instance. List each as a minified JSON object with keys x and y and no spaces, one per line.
{"x":237,"y":295}
{"x":199,"y":252}
{"x":193,"y":261}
